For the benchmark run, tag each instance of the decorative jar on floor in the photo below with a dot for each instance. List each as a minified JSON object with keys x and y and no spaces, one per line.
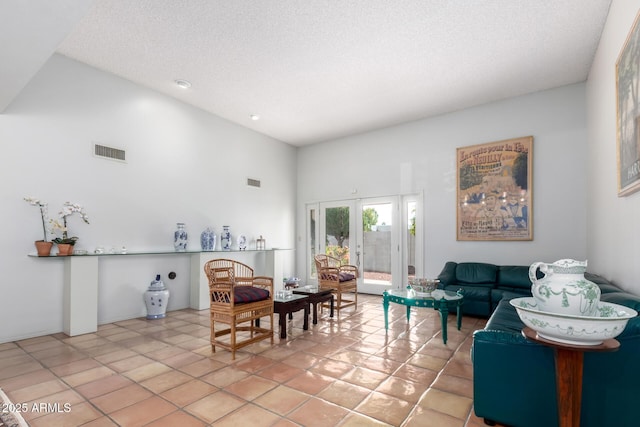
{"x":156,"y":298}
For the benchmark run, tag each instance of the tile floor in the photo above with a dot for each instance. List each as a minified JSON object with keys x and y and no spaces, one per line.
{"x":341,"y":372}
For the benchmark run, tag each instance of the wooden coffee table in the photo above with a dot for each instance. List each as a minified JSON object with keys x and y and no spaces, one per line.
{"x":287,"y":305}
{"x":316,"y":296}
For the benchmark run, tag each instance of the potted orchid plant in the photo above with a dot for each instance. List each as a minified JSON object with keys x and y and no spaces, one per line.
{"x":42,"y":246}
{"x":65,"y":243}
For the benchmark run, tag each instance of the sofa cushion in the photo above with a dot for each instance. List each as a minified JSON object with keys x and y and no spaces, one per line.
{"x":622,"y":298}
{"x":245,"y":294}
{"x":597,"y":279}
{"x":507,"y":294}
{"x":514,"y":276}
{"x":607,"y":288}
{"x":476,"y":273}
{"x":505,"y":318}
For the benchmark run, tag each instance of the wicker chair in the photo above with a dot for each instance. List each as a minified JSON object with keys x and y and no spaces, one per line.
{"x":343,"y":279}
{"x":238,"y":297}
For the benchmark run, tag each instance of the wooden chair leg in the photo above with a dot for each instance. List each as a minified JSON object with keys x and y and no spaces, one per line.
{"x":232,"y":339}
{"x":213,"y":336}
{"x":271,"y":323}
{"x":252,"y":329}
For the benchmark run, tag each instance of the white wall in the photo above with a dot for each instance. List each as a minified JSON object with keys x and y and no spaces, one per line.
{"x":613,"y":222}
{"x":375,"y":164}
{"x":183,"y":165}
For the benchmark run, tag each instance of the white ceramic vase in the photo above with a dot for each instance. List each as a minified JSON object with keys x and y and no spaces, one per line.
{"x":225,"y":238}
{"x":180,"y":238}
{"x":242,"y":242}
{"x":563,"y":289}
{"x":156,"y":299}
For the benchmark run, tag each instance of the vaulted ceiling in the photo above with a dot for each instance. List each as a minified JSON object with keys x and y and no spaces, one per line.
{"x":312,"y":70}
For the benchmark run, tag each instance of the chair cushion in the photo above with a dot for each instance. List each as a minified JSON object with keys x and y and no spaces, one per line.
{"x":342,"y":277}
{"x":345,"y":277}
{"x":244,"y":294}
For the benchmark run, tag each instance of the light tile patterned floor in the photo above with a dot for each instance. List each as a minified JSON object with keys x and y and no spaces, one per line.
{"x":344,"y":371}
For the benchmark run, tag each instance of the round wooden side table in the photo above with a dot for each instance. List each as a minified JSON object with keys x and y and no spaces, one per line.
{"x":569,"y":361}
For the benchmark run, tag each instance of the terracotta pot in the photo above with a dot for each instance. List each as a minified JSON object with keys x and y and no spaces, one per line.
{"x":43,"y":248}
{"x":65,"y":249}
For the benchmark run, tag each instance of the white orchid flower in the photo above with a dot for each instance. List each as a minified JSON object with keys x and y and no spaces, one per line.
{"x":43,"y":212}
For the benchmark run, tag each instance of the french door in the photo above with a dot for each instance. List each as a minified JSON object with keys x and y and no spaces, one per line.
{"x":380,"y":236}
{"x":330,"y":230}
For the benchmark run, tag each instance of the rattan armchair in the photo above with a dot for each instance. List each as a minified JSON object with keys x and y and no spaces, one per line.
{"x":238,"y":298}
{"x":343,"y":279}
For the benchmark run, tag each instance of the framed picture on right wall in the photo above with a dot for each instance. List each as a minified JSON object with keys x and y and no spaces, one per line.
{"x":628,"y":113}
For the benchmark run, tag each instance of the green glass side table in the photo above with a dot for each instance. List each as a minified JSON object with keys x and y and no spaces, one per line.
{"x":443,"y":301}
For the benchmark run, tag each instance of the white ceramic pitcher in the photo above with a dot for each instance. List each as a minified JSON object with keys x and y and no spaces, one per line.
{"x":563,"y":289}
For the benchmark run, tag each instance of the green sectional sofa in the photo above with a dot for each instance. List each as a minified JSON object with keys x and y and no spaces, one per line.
{"x":485,"y":285}
{"x":514,"y":379}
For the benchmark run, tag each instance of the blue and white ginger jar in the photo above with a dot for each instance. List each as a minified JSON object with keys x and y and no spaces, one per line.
{"x":156,"y":299}
{"x":208,"y":240}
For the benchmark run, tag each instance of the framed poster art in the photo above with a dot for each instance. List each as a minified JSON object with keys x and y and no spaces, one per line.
{"x":628,"y":113}
{"x":494,"y":191}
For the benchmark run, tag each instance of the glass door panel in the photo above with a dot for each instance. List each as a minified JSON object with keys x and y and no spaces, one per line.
{"x":337,"y":231}
{"x":312,"y":241}
{"x":412,"y":238}
{"x":410,"y":233}
{"x":379,"y":244}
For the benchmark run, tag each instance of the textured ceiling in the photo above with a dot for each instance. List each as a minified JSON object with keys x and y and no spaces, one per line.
{"x":30,"y":31}
{"x":316,"y":70}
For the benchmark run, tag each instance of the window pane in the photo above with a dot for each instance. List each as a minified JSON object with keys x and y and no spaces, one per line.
{"x":312,"y":242}
{"x":377,"y":228}
{"x":411,"y":239}
{"x":337,"y":233}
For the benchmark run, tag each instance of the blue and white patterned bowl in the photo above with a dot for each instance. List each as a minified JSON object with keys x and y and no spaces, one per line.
{"x":608,"y":322}
{"x":424,"y":285}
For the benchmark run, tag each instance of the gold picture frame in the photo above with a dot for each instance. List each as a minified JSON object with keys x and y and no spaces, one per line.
{"x":494,"y":191}
{"x":628,"y":113}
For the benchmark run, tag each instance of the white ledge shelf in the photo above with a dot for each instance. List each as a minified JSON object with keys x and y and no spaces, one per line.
{"x":155,"y":252}
{"x":81,"y":272}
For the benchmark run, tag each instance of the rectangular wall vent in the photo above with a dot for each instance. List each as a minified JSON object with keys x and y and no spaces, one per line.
{"x":253,"y":182}
{"x":109,"y":153}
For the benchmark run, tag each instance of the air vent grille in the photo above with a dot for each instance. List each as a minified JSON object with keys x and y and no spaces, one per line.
{"x":253,"y":182}
{"x":109,"y":153}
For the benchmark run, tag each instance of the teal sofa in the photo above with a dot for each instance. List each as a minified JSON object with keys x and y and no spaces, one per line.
{"x":485,"y":285}
{"x":514,"y":379}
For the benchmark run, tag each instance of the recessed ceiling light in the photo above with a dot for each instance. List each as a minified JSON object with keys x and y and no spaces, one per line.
{"x":184,"y":84}
{"x":254,"y":117}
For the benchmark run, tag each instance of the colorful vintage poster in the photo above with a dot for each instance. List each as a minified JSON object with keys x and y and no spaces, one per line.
{"x":495,"y":191}
{"x":628,"y":126}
